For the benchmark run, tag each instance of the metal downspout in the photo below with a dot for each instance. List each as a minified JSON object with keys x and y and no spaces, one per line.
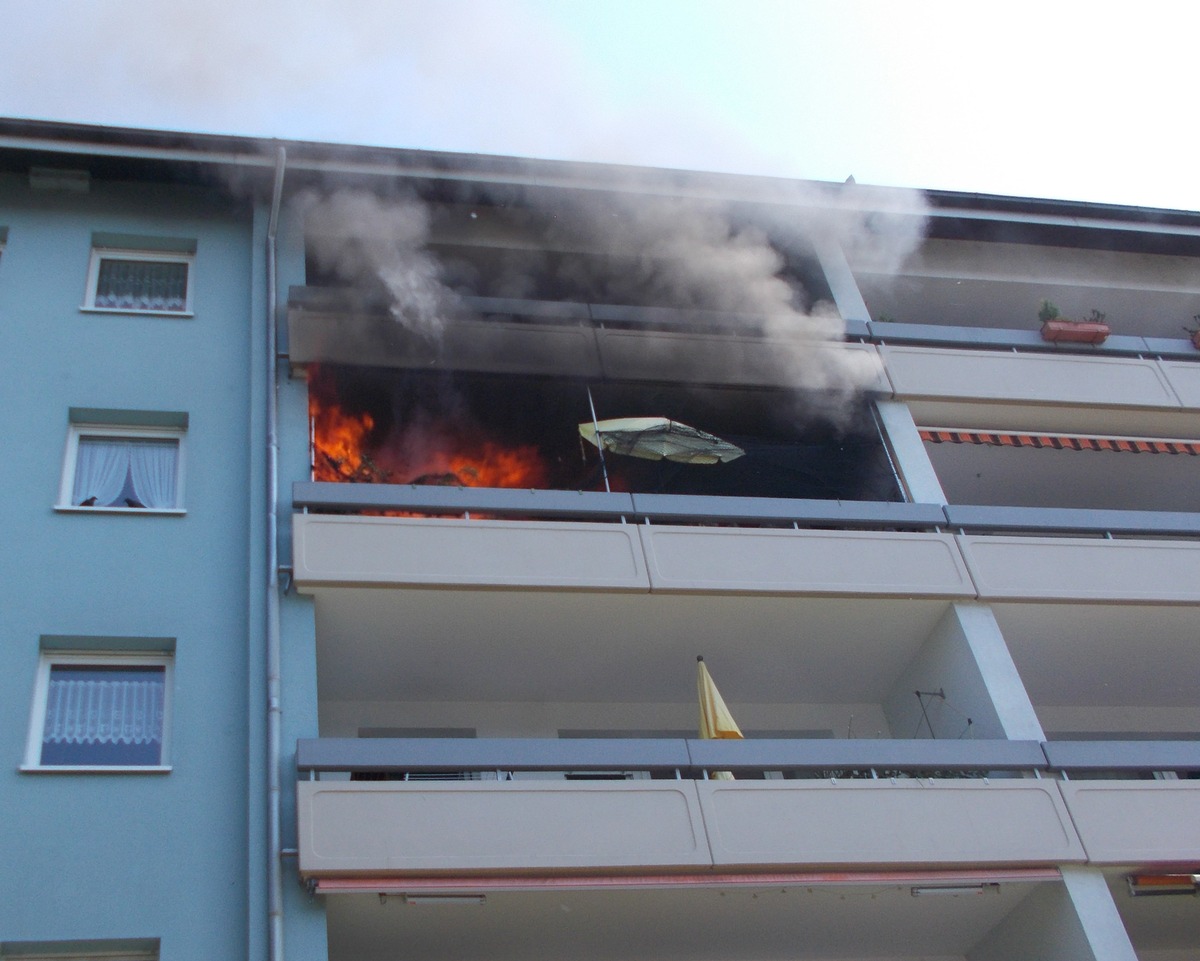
{"x":274,"y":727}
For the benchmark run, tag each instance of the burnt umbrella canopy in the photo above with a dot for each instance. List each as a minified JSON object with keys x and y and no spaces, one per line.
{"x":659,"y":438}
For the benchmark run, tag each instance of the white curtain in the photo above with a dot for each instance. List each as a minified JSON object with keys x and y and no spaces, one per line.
{"x":142,"y":284}
{"x":152,"y":469}
{"x":89,"y":711}
{"x":101,"y":464}
{"x":104,"y":466}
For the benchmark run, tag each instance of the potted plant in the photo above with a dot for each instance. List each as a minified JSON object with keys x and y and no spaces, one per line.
{"x":1057,"y":329}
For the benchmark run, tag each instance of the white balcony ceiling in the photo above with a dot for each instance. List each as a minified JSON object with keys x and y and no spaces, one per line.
{"x":1044,"y":477}
{"x":843,"y":921}
{"x":479,"y":645}
{"x":382,"y":644}
{"x":1102,"y":655}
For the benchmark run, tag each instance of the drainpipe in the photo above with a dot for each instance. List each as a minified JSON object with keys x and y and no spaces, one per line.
{"x":274,"y":829}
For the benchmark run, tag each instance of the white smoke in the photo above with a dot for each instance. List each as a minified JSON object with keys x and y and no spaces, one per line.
{"x":359,"y":236}
{"x":694,"y":256}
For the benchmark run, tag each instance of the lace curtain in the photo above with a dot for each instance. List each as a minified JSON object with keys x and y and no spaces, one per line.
{"x":142,"y":285}
{"x":152,"y":472}
{"x":84,"y":706}
{"x":110,"y":470}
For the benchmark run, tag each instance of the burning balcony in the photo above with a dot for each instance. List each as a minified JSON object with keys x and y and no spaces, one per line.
{"x":386,"y":427}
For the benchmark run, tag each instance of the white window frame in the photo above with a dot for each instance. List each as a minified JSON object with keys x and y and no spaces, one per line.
{"x":108,"y":949}
{"x":157,"y":256}
{"x":78,"y":431}
{"x":37,"y":714}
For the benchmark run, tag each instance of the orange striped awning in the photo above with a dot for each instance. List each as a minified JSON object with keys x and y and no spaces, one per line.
{"x":1132,"y":445}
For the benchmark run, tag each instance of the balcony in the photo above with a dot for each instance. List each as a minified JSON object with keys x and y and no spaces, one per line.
{"x":1022,"y":568}
{"x":996,"y":376}
{"x":668,"y":855}
{"x":1133,"y":802}
{"x":997,"y":287}
{"x":561,"y":338}
{"x":878,"y":804}
{"x":588,"y":540}
{"x":339,"y":550}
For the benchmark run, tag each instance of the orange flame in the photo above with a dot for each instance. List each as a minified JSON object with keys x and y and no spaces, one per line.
{"x":483,"y":464}
{"x":344,"y":449}
{"x":339,"y":437}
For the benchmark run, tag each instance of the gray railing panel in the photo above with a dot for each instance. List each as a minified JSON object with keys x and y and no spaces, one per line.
{"x":662,"y":508}
{"x":1180,"y":347}
{"x":441,"y":755}
{"x":857,"y":328}
{"x":688,"y":507}
{"x":953,"y":336}
{"x":1034,"y":519}
{"x":1123,"y":755}
{"x":334,"y":300}
{"x":342,"y":300}
{"x":998,"y":338}
{"x":517,"y":307}
{"x":881,"y":754}
{"x":675,"y":317}
{"x":1113,"y":344}
{"x":453,"y":500}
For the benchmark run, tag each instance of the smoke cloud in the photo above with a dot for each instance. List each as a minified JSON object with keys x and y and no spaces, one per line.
{"x":752,"y":270}
{"x":361,"y":237}
{"x":695,"y":255}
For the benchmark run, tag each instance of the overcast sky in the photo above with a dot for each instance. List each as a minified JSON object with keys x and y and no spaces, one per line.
{"x":1071,"y":100}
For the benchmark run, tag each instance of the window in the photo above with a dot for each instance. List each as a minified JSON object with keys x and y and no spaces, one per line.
{"x":118,"y":468}
{"x":100,"y":710}
{"x":123,"y":949}
{"x":140,"y":275}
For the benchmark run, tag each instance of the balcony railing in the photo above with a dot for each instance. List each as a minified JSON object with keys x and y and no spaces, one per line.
{"x":681,"y":758}
{"x":598,"y":505}
{"x":467,"y":805}
{"x":1132,"y":802}
{"x":1124,"y":758}
{"x":326,"y":497}
{"x":1013,"y":339}
{"x":337,"y":301}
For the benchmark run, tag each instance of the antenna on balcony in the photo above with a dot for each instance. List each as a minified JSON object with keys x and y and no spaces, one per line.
{"x":940,"y":693}
{"x":599,"y":443}
{"x":921,"y":695}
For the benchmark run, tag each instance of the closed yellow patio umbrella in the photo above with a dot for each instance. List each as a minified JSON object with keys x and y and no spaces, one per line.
{"x":715,"y":719}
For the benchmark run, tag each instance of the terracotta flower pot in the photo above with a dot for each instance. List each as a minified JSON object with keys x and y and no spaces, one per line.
{"x":1196,"y":339}
{"x":1075,"y":331}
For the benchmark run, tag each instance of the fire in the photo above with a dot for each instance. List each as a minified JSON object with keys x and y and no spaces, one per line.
{"x":339,"y":437}
{"x":430,"y":450}
{"x":488,"y":465}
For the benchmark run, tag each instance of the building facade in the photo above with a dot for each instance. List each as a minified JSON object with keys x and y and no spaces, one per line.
{"x":398,"y":492}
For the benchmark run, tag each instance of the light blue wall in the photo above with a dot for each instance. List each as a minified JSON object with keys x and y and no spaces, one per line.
{"x":135,"y":855}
